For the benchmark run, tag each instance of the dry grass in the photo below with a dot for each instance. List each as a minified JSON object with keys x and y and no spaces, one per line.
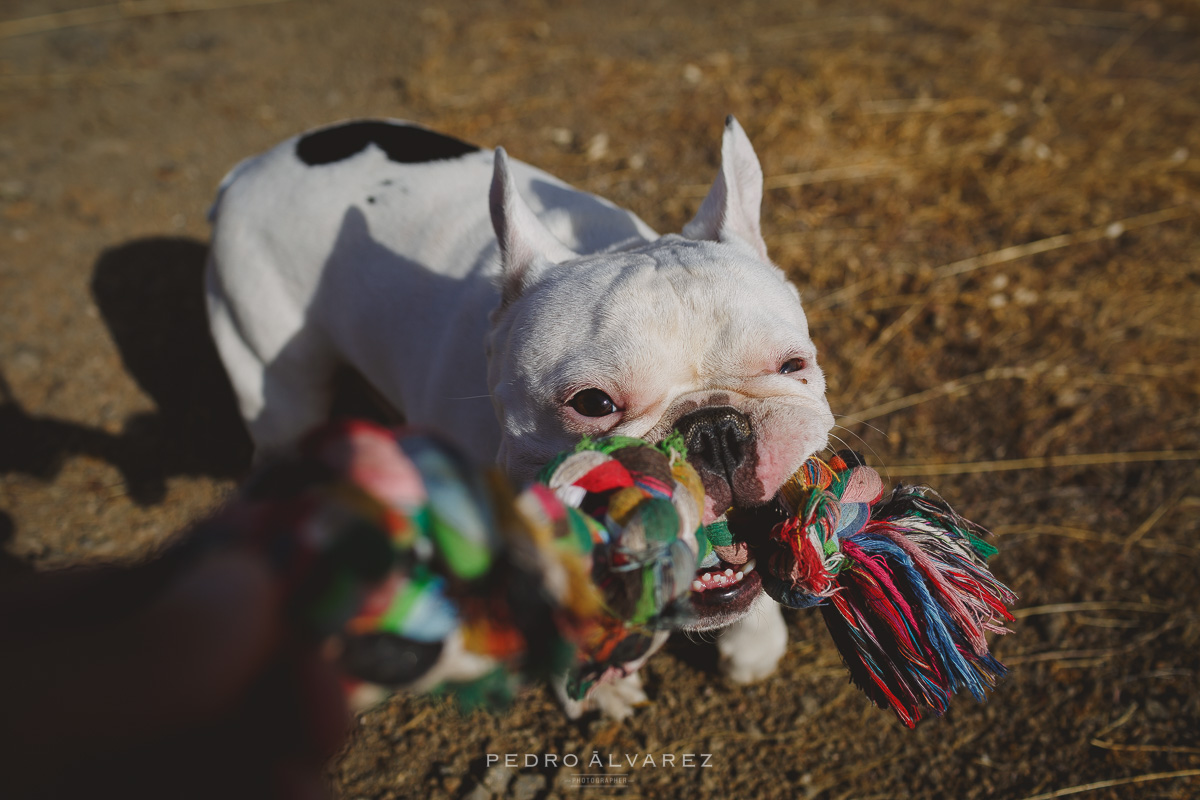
{"x":991,"y":210}
{"x":111,"y":12}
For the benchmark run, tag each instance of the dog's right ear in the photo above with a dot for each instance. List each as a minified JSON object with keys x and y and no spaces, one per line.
{"x":526,"y":246}
{"x":733,"y":205}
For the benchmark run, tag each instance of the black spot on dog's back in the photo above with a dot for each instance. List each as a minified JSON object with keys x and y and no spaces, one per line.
{"x":404,"y":144}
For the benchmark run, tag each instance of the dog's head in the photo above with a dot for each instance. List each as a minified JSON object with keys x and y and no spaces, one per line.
{"x":697,"y":332}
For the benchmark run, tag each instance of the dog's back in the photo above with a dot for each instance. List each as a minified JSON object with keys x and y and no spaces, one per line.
{"x":370,"y":244}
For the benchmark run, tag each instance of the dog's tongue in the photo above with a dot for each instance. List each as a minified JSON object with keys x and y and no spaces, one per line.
{"x":735,"y":554}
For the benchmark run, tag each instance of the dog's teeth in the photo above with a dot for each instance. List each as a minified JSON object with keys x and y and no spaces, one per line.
{"x":721,"y":579}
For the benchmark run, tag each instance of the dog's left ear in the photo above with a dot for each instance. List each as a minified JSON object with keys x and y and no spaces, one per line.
{"x":526,"y":245}
{"x":734,"y":203}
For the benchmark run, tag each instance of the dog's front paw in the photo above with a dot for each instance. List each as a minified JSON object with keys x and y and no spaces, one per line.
{"x":750,"y":648}
{"x":615,"y":699}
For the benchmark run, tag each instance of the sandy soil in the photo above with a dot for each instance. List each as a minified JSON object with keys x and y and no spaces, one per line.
{"x":992,"y":212}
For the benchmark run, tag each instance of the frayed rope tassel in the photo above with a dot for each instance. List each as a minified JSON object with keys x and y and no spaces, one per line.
{"x":903,"y":584}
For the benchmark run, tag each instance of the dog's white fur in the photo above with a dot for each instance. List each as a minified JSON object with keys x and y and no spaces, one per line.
{"x":451,"y":282}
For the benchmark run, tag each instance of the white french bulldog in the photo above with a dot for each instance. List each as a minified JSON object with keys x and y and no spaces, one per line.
{"x":447,"y":275}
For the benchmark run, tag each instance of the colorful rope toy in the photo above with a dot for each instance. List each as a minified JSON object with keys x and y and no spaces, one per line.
{"x":416,"y":572}
{"x":903,"y":584}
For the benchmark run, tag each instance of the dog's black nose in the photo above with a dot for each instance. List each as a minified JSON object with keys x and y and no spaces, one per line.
{"x":718,"y":438}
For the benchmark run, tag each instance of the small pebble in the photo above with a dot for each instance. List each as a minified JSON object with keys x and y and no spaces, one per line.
{"x":598,"y":147}
{"x":528,"y":786}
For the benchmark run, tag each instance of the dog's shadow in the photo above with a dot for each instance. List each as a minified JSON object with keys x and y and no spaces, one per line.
{"x":150,"y":295}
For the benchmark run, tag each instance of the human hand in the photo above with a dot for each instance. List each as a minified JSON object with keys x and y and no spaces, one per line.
{"x":177,"y":678}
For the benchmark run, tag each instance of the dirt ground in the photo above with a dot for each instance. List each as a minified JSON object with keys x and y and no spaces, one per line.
{"x":991,"y":208}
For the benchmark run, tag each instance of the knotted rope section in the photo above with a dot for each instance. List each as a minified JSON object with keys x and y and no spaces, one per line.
{"x":642,"y":504}
{"x":903,"y":584}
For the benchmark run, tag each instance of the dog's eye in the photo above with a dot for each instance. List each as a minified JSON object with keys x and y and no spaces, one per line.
{"x":792,"y":365}
{"x":593,"y":403}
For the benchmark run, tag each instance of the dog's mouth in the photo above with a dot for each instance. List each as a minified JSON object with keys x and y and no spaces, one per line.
{"x":723,"y":592}
{"x":723,"y":584}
